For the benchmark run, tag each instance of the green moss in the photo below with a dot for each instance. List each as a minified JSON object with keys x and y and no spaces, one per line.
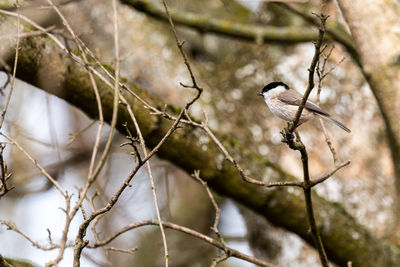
{"x":19,"y":263}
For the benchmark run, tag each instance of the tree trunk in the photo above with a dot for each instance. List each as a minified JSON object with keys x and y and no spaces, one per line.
{"x":375,"y":25}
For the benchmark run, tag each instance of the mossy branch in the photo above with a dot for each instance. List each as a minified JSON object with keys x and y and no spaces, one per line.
{"x":250,"y":32}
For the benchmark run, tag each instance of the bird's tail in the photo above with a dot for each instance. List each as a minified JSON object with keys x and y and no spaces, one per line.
{"x":338,"y":123}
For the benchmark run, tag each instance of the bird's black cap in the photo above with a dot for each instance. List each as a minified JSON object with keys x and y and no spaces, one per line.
{"x":272,"y":86}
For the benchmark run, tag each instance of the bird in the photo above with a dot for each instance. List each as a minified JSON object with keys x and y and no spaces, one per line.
{"x":284,"y":103}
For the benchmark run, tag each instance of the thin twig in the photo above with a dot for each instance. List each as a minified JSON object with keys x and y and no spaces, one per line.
{"x":42,"y":170}
{"x":64,"y":237}
{"x":75,"y":135}
{"x":132,"y":141}
{"x":211,"y":241}
{"x":101,"y":121}
{"x":285,"y":183}
{"x":8,"y":78}
{"x":186,"y":61}
{"x":97,"y":219}
{"x":28,"y":34}
{"x":153,"y":188}
{"x":11,"y":226}
{"x":322,"y":73}
{"x":219,"y":259}
{"x":328,"y":141}
{"x":329,"y":174}
{"x":214,"y":227}
{"x":128,"y":251}
{"x":12,"y":83}
{"x":4,"y":175}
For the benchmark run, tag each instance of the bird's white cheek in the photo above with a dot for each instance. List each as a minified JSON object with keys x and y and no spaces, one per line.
{"x":271,"y":94}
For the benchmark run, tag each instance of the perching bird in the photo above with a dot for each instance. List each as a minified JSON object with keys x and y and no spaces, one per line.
{"x":284,"y":102}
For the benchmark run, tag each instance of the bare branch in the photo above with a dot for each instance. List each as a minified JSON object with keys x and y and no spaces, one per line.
{"x":284,"y":183}
{"x":13,"y":227}
{"x":128,"y":251}
{"x":4,"y":175}
{"x":249,"y":32}
{"x":322,"y":73}
{"x":64,"y":237}
{"x":75,"y":135}
{"x":214,"y":227}
{"x":42,"y":170}
{"x":28,"y":34}
{"x":329,"y":174}
{"x":213,"y":242}
{"x":186,"y":61}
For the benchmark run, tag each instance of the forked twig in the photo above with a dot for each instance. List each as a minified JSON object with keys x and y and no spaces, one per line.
{"x":11,"y":226}
{"x":214,"y":227}
{"x":322,"y":73}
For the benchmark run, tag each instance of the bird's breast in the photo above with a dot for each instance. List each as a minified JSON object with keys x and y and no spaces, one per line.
{"x":287,"y":112}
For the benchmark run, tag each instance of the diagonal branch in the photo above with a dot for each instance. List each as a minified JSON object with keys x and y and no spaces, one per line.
{"x":232,"y":252}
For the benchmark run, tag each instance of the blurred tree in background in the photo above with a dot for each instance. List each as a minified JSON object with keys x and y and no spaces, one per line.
{"x":66,"y":53}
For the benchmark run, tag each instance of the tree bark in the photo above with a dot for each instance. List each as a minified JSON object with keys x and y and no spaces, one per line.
{"x":266,"y":33}
{"x":374,"y":25}
{"x":245,"y":31}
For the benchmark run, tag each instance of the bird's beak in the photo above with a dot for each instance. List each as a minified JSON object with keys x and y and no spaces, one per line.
{"x":260,"y":94}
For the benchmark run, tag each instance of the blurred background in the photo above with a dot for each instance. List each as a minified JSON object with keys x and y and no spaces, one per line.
{"x":231,"y":71}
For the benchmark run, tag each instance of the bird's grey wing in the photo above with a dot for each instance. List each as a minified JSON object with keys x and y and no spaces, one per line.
{"x":294,"y":98}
